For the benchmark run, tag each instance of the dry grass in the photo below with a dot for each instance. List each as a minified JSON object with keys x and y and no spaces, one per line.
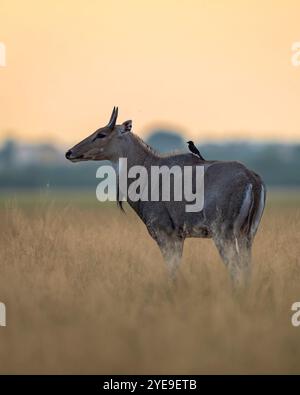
{"x":86,"y":292}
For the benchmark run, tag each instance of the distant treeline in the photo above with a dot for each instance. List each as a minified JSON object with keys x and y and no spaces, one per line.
{"x":41,"y":166}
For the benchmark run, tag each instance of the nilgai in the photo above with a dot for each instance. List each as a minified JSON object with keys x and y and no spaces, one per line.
{"x":234,"y":198}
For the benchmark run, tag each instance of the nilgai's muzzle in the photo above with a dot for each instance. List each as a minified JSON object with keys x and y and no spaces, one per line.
{"x":68,"y":154}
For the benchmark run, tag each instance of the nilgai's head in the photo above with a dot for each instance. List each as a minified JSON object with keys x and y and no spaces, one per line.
{"x":104,"y":144}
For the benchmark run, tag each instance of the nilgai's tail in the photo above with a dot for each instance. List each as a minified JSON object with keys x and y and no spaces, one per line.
{"x":251,"y":211}
{"x":260,"y":201}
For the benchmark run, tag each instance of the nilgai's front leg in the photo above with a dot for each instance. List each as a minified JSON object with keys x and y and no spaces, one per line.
{"x":171,"y":248}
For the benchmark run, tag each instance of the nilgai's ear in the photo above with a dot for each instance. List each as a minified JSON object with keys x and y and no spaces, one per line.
{"x":127,"y":126}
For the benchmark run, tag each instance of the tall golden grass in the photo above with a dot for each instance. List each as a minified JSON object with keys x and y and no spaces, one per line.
{"x":86,"y":291}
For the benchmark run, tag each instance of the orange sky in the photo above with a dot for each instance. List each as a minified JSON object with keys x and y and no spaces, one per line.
{"x":214,"y":69}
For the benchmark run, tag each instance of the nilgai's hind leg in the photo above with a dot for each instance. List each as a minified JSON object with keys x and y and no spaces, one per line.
{"x":234,"y":237}
{"x":171,"y":248}
{"x":236,"y":254}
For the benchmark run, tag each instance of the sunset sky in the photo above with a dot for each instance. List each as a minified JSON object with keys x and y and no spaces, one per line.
{"x":211,"y":69}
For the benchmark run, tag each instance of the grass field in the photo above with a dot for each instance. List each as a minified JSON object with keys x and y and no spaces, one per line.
{"x":86,"y":292}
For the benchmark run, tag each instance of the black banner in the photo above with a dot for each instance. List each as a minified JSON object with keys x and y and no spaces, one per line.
{"x":134,"y":384}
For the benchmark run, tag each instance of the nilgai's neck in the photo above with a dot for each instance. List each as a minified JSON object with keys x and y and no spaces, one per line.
{"x":138,"y":152}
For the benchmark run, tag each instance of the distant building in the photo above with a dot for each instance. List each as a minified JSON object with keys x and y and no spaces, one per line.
{"x":15,"y":155}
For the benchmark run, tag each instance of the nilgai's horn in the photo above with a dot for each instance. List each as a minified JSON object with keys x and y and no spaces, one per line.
{"x":113,"y":119}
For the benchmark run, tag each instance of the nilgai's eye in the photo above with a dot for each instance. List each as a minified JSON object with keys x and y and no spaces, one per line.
{"x":99,"y":136}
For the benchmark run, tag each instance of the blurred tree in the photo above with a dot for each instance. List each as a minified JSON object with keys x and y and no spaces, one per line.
{"x":8,"y":153}
{"x":166,"y":141}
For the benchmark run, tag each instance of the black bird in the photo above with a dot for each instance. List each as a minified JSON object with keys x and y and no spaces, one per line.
{"x":194,"y":149}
